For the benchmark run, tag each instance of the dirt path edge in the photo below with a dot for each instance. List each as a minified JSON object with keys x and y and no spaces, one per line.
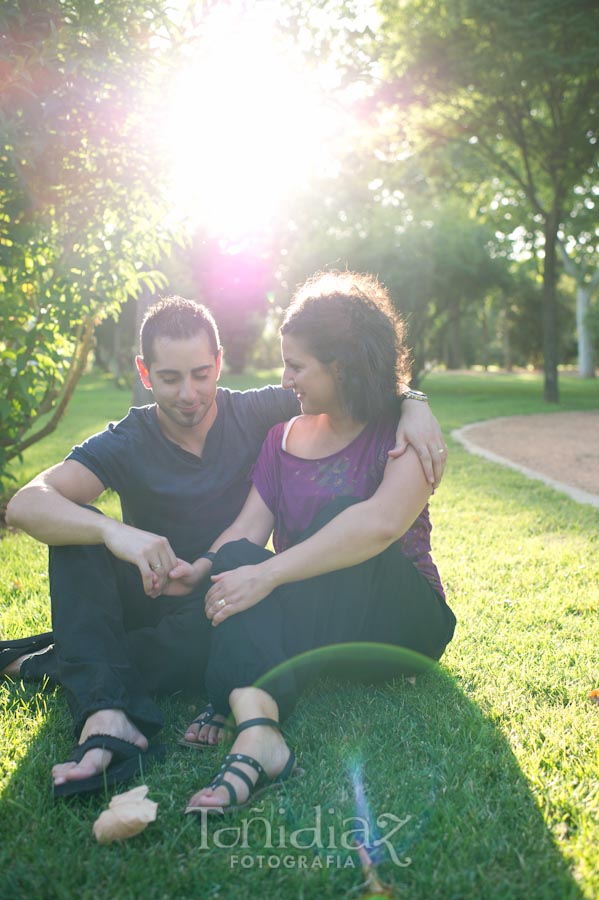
{"x":462,"y":435}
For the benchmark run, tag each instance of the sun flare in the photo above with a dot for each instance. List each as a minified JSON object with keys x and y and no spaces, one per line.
{"x":246,"y":125}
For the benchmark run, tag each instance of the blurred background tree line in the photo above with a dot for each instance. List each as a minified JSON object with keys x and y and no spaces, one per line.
{"x":467,"y":182}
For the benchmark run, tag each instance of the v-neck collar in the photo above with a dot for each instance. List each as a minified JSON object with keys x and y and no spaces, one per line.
{"x":214,"y":433}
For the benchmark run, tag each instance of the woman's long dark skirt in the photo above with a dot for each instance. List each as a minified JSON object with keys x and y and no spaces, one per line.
{"x":383,"y":600}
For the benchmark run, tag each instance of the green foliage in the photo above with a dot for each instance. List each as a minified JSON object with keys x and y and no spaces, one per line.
{"x":80,"y":209}
{"x":512,"y":84}
{"x":435,"y":258}
{"x":518,"y":81}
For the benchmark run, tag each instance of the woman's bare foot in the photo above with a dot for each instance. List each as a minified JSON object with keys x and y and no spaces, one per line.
{"x":208,"y":733}
{"x":262,"y":742}
{"x":105,"y":721}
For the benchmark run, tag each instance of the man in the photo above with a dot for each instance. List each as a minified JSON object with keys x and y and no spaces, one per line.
{"x":180,"y":467}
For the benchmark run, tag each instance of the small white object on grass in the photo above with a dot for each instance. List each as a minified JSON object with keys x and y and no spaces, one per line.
{"x":126,"y":816}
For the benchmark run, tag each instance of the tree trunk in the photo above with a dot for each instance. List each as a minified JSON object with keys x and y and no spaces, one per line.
{"x":484,"y":330}
{"x":550,"y":354}
{"x":586,"y":356}
{"x":505,"y":335}
{"x":454,"y":356}
{"x":84,"y":342}
{"x":584,"y":292}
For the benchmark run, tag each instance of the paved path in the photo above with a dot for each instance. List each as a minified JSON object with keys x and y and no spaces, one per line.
{"x":560,"y":449}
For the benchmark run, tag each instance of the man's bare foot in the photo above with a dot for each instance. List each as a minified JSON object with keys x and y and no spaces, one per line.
{"x":13,"y":669}
{"x":208,"y":733}
{"x":105,"y":721}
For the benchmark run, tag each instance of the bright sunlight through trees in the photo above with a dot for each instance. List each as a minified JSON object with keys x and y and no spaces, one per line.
{"x":246,"y":122}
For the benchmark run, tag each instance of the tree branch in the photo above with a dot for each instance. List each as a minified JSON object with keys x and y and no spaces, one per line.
{"x":73,"y":377}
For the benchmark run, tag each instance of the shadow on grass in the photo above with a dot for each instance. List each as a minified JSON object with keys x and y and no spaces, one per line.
{"x":423,"y":755}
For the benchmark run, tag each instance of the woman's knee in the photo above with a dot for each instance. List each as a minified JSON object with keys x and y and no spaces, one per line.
{"x":238,"y":553}
{"x":328,"y":512}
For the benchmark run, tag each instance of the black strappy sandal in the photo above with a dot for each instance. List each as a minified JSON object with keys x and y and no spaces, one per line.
{"x":260,"y":786}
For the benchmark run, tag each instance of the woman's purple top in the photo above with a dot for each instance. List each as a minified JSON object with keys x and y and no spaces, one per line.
{"x":295,"y":489}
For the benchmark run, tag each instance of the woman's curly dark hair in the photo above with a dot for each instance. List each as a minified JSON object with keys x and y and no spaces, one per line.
{"x":348,"y":318}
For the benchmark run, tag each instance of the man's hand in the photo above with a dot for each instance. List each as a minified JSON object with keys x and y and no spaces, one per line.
{"x":234,"y":591}
{"x":151,"y":553}
{"x":418,"y":427}
{"x":183,"y":579}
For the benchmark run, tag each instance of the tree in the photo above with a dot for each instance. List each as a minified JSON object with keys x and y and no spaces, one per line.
{"x":432,"y":255}
{"x":80,"y":208}
{"x":515,"y":85}
{"x":579,"y":251}
{"x":465,"y":271}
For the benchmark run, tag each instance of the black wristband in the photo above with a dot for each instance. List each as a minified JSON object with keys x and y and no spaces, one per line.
{"x":209,"y":555}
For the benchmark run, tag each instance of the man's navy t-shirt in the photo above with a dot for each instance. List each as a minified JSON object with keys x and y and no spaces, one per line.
{"x":169,"y":491}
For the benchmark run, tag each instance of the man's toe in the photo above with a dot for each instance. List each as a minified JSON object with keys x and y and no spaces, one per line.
{"x":93,"y":763}
{"x":60,"y":769}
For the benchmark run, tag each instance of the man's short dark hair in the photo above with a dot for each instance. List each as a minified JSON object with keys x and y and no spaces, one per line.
{"x":177,"y":319}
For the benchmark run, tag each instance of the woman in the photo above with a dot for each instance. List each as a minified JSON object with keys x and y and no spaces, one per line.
{"x":344,"y":356}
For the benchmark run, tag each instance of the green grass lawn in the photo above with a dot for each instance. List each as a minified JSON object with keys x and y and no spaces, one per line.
{"x":487,"y":767}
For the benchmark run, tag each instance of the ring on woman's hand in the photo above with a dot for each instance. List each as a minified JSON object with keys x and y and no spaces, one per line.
{"x":441,"y":450}
{"x":156,"y":566}
{"x":222,"y":602}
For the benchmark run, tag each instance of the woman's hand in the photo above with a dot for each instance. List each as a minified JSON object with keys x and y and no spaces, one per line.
{"x":234,"y":591}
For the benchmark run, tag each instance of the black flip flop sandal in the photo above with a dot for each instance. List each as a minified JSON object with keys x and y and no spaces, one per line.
{"x":206,"y":717}
{"x":11,"y":650}
{"x":127,"y":762}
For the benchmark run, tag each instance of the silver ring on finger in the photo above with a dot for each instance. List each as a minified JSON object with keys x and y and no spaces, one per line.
{"x":222,"y":602}
{"x":156,"y":566}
